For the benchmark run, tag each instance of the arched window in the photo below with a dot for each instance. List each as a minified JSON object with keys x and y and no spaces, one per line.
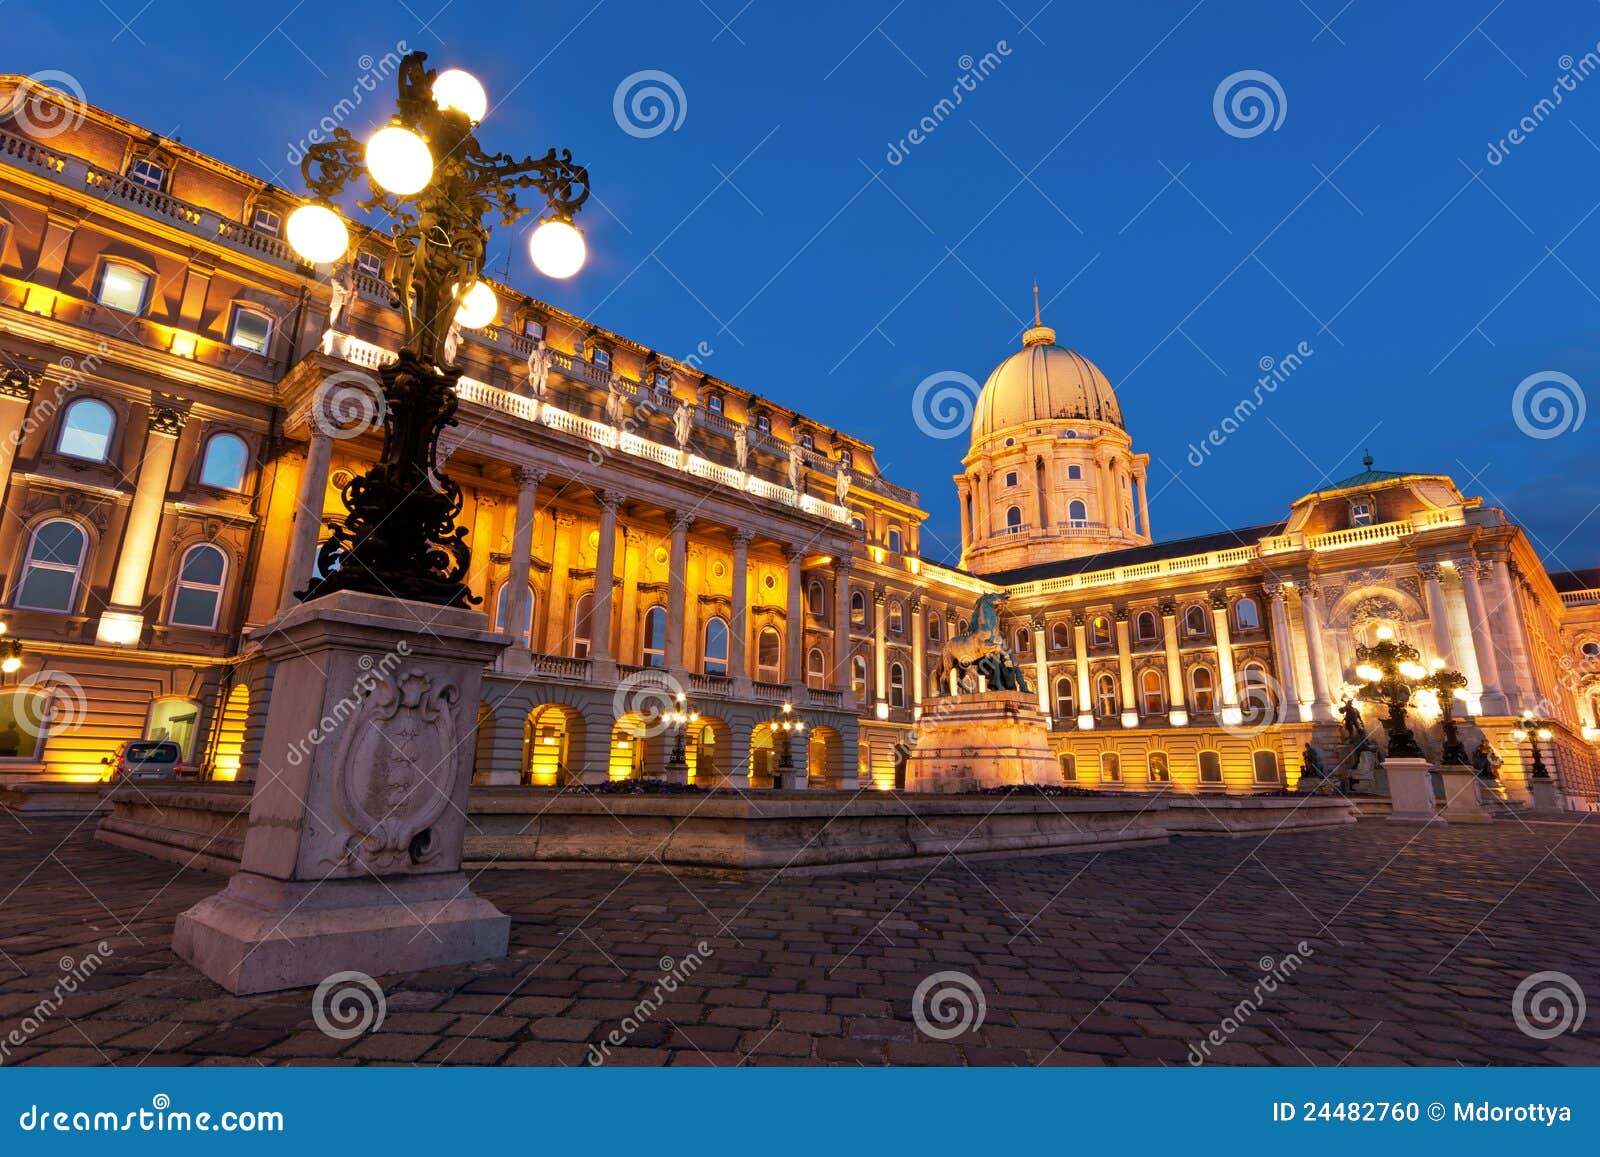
{"x":1066,"y":698}
{"x":1144,"y":627}
{"x":1060,"y":636}
{"x":224,"y":462}
{"x":769,"y":655}
{"x":1024,"y":641}
{"x":816,"y":668}
{"x":1105,"y":690}
{"x":500,"y":612}
{"x":1255,"y":693}
{"x":52,"y":567}
{"x":1160,"y":771}
{"x":716,"y":647}
{"x":897,"y":617}
{"x":583,"y":625}
{"x":897,"y":685}
{"x":1013,"y":518}
{"x":1152,"y":693}
{"x":893,"y":541}
{"x":1202,"y":690}
{"x":1246,"y":615}
{"x":86,"y":429}
{"x":1265,"y":766}
{"x":655,"y":637}
{"x":1100,"y":631}
{"x":1069,"y":767}
{"x":935,"y":628}
{"x":1077,"y":512}
{"x":858,"y":609}
{"x":1110,"y":767}
{"x":816,"y":599}
{"x":1210,"y":767}
{"x":197,"y":596}
{"x":1196,"y":622}
{"x":858,"y":677}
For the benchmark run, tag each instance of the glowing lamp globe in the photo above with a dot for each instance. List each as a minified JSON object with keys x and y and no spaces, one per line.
{"x":1385,"y":632}
{"x":1368,"y":673}
{"x":399,"y":160}
{"x":318,"y":234}
{"x":11,"y":665}
{"x":557,"y":249}
{"x":460,"y":91}
{"x":478,"y":307}
{"x":1412,"y":670}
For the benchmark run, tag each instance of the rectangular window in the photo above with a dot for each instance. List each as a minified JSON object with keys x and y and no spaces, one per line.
{"x":663,"y":382}
{"x":1266,"y":766}
{"x":1011,"y":479}
{"x":1159,"y":771}
{"x":123,"y":287}
{"x":1110,"y":767}
{"x":533,"y":328}
{"x":147,"y":173}
{"x":1210,"y":767}
{"x":266,"y":221}
{"x":369,"y":265}
{"x":21,"y":713}
{"x":602,"y":358}
{"x":1069,"y":768}
{"x":250,"y":330}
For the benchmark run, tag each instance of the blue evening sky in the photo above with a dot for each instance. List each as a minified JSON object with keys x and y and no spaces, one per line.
{"x":771,"y":226}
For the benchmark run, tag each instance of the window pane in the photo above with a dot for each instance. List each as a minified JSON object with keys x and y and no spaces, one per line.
{"x":57,"y":542}
{"x":21,"y":723}
{"x":224,"y":462}
{"x":203,"y":565}
{"x":251,"y":331}
{"x":86,"y":431}
{"x":123,"y":288}
{"x":716,"y":647}
{"x":47,"y":590}
{"x":194,"y":607}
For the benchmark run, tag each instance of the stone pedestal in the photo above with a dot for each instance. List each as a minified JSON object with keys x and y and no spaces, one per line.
{"x":1462,"y":802}
{"x":1546,"y":796}
{"x":990,"y":739}
{"x":1410,"y":789}
{"x":352,"y":857}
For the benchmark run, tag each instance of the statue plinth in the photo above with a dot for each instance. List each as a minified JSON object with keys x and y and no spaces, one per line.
{"x":1411,"y":796}
{"x":971,"y":742}
{"x":352,"y":859}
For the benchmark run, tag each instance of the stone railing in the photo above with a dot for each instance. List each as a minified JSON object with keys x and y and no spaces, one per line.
{"x":703,"y":684}
{"x":1584,"y":598}
{"x":561,"y":667}
{"x":823,"y":697}
{"x":772,"y":692}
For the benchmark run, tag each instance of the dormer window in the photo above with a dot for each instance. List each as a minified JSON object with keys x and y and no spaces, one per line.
{"x":369,"y":265}
{"x":763,"y":423}
{"x":663,"y":382}
{"x":1361,"y":512}
{"x":714,"y":403}
{"x":532,"y":328}
{"x":266,"y":221}
{"x":146,"y":172}
{"x":808,"y":442}
{"x":847,"y":459}
{"x":602,"y":358}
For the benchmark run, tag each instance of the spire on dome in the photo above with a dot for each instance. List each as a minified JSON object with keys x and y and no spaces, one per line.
{"x":1040,"y":334}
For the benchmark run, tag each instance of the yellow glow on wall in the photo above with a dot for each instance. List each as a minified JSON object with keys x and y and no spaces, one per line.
{"x":40,"y":300}
{"x":184,"y":344}
{"x":228,"y":758}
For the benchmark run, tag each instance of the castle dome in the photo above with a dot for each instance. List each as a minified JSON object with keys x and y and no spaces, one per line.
{"x":1043,"y":382}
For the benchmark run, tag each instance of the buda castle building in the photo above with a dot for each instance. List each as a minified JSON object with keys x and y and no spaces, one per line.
{"x":182,"y":401}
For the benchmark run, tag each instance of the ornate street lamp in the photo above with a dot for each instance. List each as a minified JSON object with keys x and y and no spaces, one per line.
{"x":10,"y":655}
{"x":679,"y":719}
{"x":1533,"y":730}
{"x":427,"y":173}
{"x":1390,"y":670}
{"x":785,"y":729}
{"x":1449,"y":686}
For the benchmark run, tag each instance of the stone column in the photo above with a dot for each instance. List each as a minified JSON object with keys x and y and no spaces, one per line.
{"x":880,"y":652}
{"x":633,"y":547}
{"x":122,"y":623}
{"x":919,"y":655}
{"x":1178,"y":713}
{"x":482,"y":534}
{"x":1438,"y":620}
{"x":739,"y":625}
{"x":517,"y":656}
{"x":558,"y":622}
{"x":841,"y":628}
{"x":1144,"y":505}
{"x":605,"y":566}
{"x":1041,"y":668}
{"x":677,"y":585}
{"x":794,"y":647}
{"x":1227,"y":678}
{"x":964,"y":499}
{"x":1505,"y":612}
{"x":1080,"y":654}
{"x":1283,"y":648}
{"x":1462,"y":644}
{"x":1522,"y":647}
{"x":1494,"y":699}
{"x":1130,"y":710}
{"x":1321,"y":701}
{"x":16,"y":395}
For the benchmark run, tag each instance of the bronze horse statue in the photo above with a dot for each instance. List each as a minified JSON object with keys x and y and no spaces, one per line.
{"x":983,"y":647}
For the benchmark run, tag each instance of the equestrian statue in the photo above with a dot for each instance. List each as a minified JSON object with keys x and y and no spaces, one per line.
{"x":982,"y":649}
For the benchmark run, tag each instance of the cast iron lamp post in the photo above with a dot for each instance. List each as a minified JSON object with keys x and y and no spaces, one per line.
{"x":785,"y":728}
{"x":1534,"y":731}
{"x":1448,"y":686}
{"x":10,"y":655}
{"x":679,"y":719}
{"x":427,"y":173}
{"x":1390,"y":670}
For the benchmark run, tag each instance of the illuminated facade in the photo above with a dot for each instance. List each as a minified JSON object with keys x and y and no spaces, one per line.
{"x":182,"y":400}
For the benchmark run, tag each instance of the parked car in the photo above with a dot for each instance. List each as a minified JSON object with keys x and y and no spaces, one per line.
{"x":147,"y":759}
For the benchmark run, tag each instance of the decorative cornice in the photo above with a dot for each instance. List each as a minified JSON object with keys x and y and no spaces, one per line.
{"x":166,"y":420}
{"x":16,"y":382}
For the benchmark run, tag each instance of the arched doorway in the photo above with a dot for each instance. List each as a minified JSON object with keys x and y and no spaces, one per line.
{"x":763,"y":757}
{"x":708,"y":749}
{"x":634,"y":739}
{"x":552,"y":746}
{"x":825,"y":755}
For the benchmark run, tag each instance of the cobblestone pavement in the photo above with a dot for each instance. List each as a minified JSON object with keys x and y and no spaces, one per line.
{"x":1414,"y":944}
